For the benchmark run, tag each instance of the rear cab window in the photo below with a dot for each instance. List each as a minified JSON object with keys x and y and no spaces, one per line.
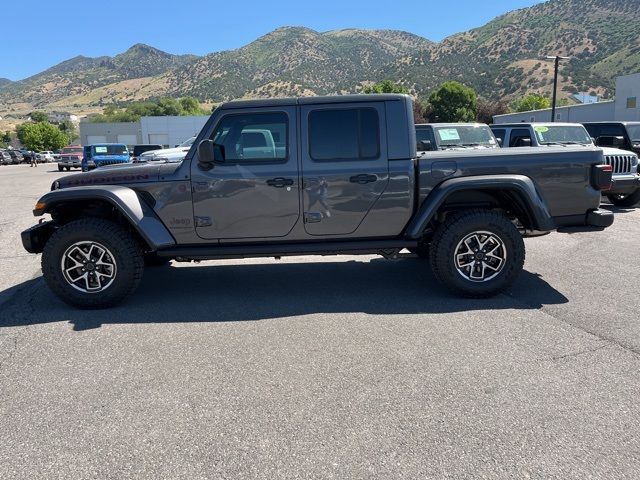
{"x":344,"y":134}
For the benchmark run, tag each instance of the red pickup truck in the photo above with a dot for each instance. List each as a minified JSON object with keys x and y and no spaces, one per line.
{"x":70,"y":157}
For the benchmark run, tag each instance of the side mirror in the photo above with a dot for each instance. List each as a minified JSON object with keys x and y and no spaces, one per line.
{"x":209,"y":153}
{"x":500,"y":141}
{"x":424,"y":145}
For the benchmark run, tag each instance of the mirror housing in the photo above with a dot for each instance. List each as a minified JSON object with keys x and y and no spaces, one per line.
{"x":209,"y":153}
{"x":500,"y":141}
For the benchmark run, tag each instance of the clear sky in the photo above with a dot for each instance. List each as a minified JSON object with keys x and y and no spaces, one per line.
{"x":38,"y":34}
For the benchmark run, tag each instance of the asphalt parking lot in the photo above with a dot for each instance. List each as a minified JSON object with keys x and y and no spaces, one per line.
{"x":346,"y":367}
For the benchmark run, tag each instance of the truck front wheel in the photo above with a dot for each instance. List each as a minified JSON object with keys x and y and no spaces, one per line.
{"x":477,"y":253}
{"x":628,"y":200}
{"x":92,"y":263}
{"x":60,"y":168}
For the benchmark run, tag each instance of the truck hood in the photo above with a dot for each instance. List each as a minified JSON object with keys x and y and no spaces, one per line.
{"x":124,"y":174}
{"x":608,"y":151}
{"x":170,"y":154}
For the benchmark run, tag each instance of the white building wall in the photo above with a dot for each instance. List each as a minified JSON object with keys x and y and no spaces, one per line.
{"x":592,"y":112}
{"x":628,"y":98}
{"x":170,"y":130}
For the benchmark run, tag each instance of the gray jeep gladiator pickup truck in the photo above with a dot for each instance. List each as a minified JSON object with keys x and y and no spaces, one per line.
{"x":323,"y":175}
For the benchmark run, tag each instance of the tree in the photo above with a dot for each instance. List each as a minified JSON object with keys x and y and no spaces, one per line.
{"x":191,"y":106}
{"x":488,"y":109}
{"x":421,"y":111}
{"x":38,"y":117}
{"x":69,"y":129}
{"x":533,"y":101}
{"x":38,"y":136}
{"x":386,"y":86}
{"x":5,"y":138}
{"x":161,"y":107}
{"x":453,"y":102}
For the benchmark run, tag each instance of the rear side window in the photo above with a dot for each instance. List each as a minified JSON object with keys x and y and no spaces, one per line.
{"x":349,"y":134}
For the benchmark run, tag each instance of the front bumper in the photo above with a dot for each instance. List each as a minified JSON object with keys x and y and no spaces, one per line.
{"x":624,"y":185}
{"x":600,"y":218}
{"x":34,"y":238}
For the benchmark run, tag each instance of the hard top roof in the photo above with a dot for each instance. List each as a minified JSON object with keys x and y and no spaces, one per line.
{"x":293,"y":101}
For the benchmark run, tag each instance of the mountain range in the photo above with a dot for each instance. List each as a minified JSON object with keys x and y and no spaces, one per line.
{"x":502,"y":59}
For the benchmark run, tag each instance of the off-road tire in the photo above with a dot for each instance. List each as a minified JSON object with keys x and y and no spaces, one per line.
{"x":124,"y":248}
{"x":60,"y":168}
{"x":630,"y":200}
{"x":458,"y":227}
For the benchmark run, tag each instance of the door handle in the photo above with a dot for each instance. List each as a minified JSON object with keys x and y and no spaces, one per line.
{"x":363,"y":178}
{"x":280,"y":182}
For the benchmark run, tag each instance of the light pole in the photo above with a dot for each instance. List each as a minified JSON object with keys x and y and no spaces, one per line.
{"x":556,"y":60}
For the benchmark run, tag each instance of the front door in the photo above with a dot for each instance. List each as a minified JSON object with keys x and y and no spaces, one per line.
{"x":345,"y":166}
{"x":254,"y":192}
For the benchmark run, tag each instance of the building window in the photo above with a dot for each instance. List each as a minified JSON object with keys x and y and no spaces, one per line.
{"x":631,"y":102}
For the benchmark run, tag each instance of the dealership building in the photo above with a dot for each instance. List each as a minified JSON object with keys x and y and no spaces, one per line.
{"x":625,"y":107}
{"x":167,"y":131}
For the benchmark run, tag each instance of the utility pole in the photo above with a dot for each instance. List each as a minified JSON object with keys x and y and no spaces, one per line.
{"x":556,"y":60}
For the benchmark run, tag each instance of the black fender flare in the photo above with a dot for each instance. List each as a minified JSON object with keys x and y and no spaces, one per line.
{"x":133,"y":208}
{"x":521,"y":185}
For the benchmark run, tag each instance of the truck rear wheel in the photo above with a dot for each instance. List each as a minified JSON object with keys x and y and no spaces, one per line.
{"x":92,"y":263}
{"x":60,"y":168}
{"x":628,"y":200}
{"x":477,"y":253}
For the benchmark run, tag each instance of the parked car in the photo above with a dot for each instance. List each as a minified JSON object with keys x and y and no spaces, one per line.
{"x":70,"y":157}
{"x":341,"y":177}
{"x":103,"y":154}
{"x":623,"y":135}
{"x":45,"y":157}
{"x":169,"y":155}
{"x":5,"y":158}
{"x":454,"y":136}
{"x":16,"y":156}
{"x":140,"y":149}
{"x":625,"y":190}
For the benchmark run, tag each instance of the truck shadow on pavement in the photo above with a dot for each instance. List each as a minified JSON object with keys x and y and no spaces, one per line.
{"x":249,"y":292}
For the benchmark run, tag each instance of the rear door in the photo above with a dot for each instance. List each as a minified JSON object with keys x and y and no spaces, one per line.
{"x":254,"y":193}
{"x":345,"y":166}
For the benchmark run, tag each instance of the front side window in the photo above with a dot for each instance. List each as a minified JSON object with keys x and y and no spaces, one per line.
{"x":349,"y":134}
{"x":634,"y":132}
{"x":253,"y":137}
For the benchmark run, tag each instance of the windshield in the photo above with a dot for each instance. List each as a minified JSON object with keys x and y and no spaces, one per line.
{"x":109,"y":150}
{"x":72,"y":150}
{"x":634,"y":132}
{"x":464,"y":136}
{"x":564,"y":135}
{"x":189,"y":142}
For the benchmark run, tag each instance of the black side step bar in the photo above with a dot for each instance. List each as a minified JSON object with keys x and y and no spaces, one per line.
{"x":208,"y":252}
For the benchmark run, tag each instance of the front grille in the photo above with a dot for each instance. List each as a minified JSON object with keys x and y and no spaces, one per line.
{"x":622,"y":164}
{"x":102,"y":163}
